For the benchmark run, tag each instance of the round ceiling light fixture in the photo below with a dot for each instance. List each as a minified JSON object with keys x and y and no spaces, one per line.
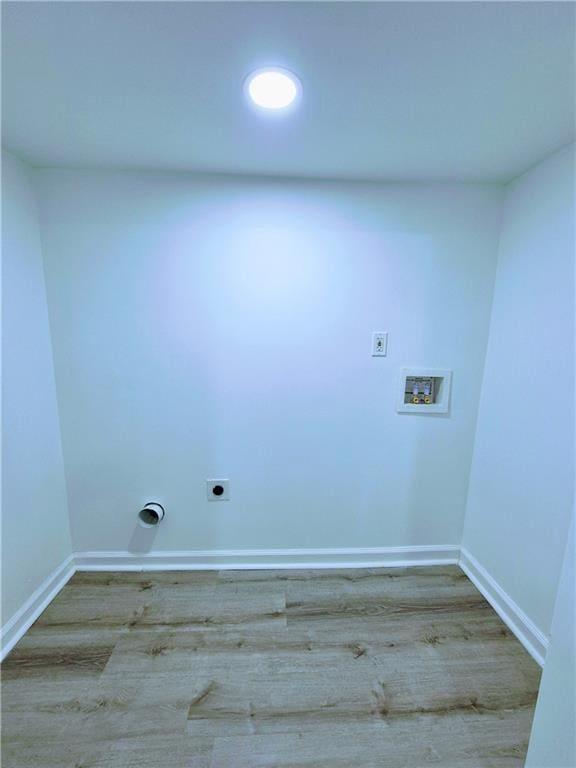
{"x":273,"y":88}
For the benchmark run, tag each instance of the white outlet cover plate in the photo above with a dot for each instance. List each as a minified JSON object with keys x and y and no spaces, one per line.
{"x":441,"y":405}
{"x":379,"y":343}
{"x":210,"y":483}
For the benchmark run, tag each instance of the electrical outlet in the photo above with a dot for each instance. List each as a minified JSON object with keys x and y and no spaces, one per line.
{"x":379,"y":344}
{"x":218,"y":490}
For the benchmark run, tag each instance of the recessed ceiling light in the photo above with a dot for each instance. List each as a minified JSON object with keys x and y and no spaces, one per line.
{"x":273,"y":88}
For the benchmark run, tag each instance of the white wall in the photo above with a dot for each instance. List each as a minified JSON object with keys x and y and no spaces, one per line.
{"x":521,"y":483}
{"x":35,"y":529}
{"x":553,"y":740}
{"x":221,"y":328}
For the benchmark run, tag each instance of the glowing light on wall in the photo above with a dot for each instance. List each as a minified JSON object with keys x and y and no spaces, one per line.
{"x":273,"y":88}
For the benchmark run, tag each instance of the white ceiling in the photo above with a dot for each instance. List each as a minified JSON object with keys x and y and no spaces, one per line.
{"x":392,"y":90}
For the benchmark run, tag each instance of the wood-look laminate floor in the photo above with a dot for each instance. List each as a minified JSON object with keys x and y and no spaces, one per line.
{"x":395,"y":668}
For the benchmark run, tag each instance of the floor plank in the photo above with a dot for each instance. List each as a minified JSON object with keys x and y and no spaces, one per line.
{"x":399,"y":668}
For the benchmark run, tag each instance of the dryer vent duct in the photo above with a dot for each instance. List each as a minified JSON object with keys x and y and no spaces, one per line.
{"x":151,"y":514}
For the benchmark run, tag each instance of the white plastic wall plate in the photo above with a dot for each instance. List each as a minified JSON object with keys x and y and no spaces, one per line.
{"x":443,"y":389}
{"x":379,"y":344}
{"x":224,"y":487}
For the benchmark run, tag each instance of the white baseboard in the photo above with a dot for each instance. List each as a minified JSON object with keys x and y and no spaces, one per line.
{"x":535,"y":641}
{"x":23,"y":619}
{"x":375,"y":557}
